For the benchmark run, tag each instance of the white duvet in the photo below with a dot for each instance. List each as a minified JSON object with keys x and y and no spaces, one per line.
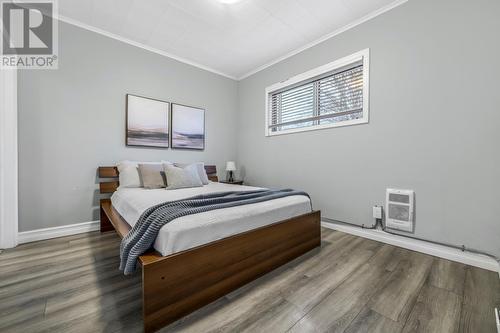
{"x":198,"y":229}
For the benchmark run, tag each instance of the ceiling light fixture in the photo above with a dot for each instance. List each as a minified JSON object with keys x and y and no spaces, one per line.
{"x":229,"y":2}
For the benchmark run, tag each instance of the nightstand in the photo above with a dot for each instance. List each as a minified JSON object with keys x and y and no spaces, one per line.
{"x":234,"y":182}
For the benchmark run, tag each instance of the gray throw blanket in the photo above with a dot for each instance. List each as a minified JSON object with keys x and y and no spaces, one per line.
{"x":142,"y":236}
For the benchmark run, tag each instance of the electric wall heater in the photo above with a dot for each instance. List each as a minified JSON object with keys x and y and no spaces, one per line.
{"x":399,"y":209}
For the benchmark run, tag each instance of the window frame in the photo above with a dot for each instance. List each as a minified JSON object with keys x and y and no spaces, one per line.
{"x":363,"y":55}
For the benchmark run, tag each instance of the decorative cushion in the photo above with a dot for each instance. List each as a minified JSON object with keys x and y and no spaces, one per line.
{"x":200,"y":167}
{"x":152,"y":175}
{"x":182,"y":177}
{"x":129,"y":173}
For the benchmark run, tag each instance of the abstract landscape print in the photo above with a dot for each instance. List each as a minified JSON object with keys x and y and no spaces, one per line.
{"x":188,"y":127}
{"x":147,"y":122}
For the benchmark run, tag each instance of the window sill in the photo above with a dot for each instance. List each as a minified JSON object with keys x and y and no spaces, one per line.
{"x":320,"y":127}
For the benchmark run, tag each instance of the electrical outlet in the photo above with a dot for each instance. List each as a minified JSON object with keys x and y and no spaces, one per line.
{"x":377,"y":212}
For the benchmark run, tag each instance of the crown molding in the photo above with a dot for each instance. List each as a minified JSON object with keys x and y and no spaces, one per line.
{"x":140,"y":45}
{"x":326,"y":37}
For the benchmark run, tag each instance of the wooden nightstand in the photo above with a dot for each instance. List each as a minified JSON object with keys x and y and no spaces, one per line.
{"x":234,"y":182}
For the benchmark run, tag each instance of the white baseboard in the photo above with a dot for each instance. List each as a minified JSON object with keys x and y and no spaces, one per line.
{"x":65,"y":230}
{"x":440,"y":251}
{"x":497,"y":317}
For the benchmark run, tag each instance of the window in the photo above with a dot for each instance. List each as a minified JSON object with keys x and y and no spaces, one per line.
{"x":332,"y":95}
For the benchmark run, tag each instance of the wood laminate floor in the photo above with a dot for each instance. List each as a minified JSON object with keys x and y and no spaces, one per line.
{"x":72,"y":284}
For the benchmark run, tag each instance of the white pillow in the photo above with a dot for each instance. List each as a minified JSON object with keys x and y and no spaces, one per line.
{"x":182,"y":177}
{"x":129,"y":173}
{"x":200,"y":167}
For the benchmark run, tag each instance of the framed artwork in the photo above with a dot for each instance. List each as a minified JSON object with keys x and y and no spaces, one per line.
{"x":188,"y":127}
{"x":147,"y":122}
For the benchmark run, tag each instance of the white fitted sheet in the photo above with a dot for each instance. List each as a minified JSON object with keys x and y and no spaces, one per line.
{"x":193,"y":230}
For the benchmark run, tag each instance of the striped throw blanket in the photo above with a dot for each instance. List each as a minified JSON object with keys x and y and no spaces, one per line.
{"x":142,"y":236}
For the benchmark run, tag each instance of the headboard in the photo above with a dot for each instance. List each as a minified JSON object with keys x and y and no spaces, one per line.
{"x":108,"y":177}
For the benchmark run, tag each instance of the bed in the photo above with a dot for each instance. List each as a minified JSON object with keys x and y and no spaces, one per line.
{"x":198,"y":258}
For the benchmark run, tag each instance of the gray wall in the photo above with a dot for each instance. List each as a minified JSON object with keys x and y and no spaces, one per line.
{"x":434,"y":123}
{"x":72,"y":120}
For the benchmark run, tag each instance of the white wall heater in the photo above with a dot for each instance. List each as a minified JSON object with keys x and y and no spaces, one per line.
{"x":399,"y":209}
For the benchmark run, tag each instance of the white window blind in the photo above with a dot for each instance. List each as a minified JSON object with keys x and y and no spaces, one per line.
{"x":334,"y":97}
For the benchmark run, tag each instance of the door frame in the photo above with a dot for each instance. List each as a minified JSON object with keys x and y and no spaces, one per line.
{"x":8,"y":159}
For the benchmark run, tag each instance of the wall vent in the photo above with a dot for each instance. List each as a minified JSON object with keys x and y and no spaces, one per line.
{"x":399,"y":209}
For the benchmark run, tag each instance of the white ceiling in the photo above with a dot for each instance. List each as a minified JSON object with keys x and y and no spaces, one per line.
{"x":232,"y":39}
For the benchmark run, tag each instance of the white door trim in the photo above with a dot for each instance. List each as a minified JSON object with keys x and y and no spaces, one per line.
{"x":8,"y":159}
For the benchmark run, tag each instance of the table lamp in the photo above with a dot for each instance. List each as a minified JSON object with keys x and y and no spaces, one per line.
{"x":230,"y":166}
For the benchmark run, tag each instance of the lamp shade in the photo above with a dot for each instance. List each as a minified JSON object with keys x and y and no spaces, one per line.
{"x":230,"y":166}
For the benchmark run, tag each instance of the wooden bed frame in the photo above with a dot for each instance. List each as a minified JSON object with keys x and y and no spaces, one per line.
{"x":178,"y":284}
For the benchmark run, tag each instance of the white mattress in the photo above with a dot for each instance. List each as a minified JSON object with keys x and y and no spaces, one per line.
{"x":198,"y":229}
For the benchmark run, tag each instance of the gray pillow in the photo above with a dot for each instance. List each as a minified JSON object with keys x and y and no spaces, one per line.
{"x":152,"y":175}
{"x":200,"y":166}
{"x":182,"y":177}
